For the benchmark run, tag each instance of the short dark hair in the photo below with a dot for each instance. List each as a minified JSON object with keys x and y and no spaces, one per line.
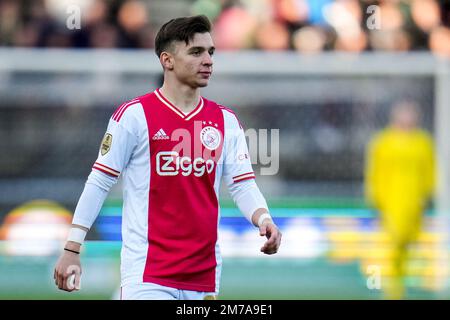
{"x":180,"y":29}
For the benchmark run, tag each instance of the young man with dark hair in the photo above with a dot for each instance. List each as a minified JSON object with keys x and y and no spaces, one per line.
{"x":173,"y":147}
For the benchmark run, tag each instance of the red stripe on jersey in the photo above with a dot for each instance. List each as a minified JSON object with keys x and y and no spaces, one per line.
{"x":121,"y":107}
{"x":243,"y":175}
{"x":104,"y":171}
{"x":243,"y":179}
{"x":106,"y":167}
{"x":118,"y":109}
{"x":117,"y":114}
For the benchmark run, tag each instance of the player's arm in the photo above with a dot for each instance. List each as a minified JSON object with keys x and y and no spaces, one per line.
{"x":67,"y":274}
{"x":253,"y":206}
{"x":114,"y":154}
{"x":240,"y":180}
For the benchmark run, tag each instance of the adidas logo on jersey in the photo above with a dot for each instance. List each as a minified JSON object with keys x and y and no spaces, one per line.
{"x":160,"y":135}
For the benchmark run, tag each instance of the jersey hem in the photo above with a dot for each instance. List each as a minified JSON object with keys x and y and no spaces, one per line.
{"x":180,"y":285}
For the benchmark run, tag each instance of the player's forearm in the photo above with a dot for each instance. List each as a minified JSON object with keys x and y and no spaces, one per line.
{"x":91,"y":200}
{"x":249,"y":200}
{"x":88,"y":208}
{"x":89,"y":205}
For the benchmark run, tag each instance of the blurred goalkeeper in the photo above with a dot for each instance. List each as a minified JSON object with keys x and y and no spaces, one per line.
{"x":172,"y":148}
{"x":399,"y":184}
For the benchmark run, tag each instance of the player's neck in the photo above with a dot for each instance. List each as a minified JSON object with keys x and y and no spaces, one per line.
{"x":183,"y":97}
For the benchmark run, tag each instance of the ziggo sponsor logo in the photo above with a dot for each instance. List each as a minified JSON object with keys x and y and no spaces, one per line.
{"x":169,"y":163}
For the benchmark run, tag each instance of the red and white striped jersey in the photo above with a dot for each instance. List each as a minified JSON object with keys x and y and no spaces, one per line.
{"x":172,"y":164}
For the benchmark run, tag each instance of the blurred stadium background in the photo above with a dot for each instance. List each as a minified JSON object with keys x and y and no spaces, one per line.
{"x":314,"y":69}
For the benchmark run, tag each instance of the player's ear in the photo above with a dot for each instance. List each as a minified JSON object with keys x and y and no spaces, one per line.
{"x":166,"y":60}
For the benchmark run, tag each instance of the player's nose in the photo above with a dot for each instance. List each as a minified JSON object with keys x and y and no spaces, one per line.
{"x":207,"y":60}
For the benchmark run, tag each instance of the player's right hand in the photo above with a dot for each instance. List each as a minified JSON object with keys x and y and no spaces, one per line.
{"x":273,"y":235}
{"x":67,"y":272}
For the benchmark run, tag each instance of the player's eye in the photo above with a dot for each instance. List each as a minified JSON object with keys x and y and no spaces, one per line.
{"x":211,"y":52}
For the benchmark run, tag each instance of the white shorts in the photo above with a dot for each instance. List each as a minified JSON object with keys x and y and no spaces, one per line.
{"x":153,"y":291}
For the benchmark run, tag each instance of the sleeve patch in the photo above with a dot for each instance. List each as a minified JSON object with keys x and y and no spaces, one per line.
{"x":106,"y":144}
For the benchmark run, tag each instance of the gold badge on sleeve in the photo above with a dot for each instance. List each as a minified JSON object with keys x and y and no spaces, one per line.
{"x":106,"y":144}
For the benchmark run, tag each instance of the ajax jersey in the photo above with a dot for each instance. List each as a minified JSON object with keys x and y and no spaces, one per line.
{"x":172,"y":164}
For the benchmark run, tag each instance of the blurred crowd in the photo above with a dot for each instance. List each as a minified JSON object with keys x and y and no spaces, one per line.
{"x":311,"y":26}
{"x":308,"y":26}
{"x":102,"y":23}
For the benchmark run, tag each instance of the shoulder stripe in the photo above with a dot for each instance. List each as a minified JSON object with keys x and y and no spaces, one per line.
{"x":225,"y":108}
{"x":124,"y":109}
{"x":119,"y":112}
{"x":120,"y":108}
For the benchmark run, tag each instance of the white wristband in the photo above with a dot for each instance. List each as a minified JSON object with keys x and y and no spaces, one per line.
{"x":77,"y":235}
{"x":263,"y":217}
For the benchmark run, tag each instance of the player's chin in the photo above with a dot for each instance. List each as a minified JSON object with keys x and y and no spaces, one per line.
{"x":202,"y":83}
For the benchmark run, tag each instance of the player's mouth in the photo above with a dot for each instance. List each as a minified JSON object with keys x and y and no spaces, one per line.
{"x":205,"y":74}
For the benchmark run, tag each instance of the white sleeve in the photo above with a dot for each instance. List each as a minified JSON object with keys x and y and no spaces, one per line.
{"x":89,"y":205}
{"x":116,"y":149}
{"x":237,"y":169}
{"x":248,"y":198}
{"x":237,"y":165}
{"x":115,"y":152}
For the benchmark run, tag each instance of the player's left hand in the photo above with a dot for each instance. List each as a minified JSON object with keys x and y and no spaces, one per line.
{"x":273,"y":234}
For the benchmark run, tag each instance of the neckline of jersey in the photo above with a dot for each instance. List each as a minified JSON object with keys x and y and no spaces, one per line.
{"x":177,"y":110}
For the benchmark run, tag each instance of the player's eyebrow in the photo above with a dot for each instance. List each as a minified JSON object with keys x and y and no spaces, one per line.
{"x":201,"y":49}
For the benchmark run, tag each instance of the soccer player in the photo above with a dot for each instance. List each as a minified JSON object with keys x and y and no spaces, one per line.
{"x":399,"y":183}
{"x":172,"y":147}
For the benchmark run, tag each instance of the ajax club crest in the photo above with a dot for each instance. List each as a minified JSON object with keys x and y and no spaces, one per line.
{"x":210,"y":137}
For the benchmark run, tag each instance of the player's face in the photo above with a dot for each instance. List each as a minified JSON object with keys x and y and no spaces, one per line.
{"x":405,"y":117}
{"x":193,"y":62}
